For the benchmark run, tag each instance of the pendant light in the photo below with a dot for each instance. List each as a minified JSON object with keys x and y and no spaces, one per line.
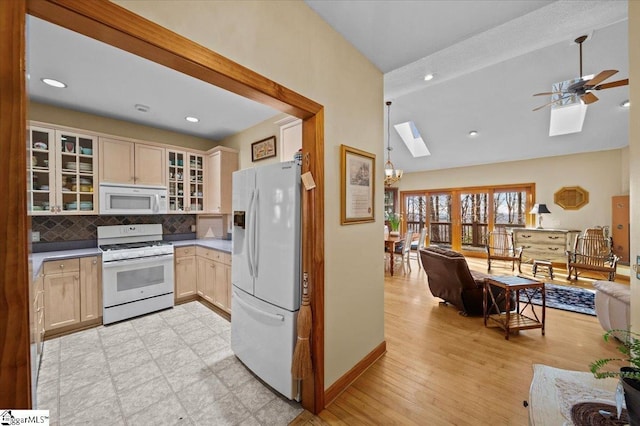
{"x":391,"y":175}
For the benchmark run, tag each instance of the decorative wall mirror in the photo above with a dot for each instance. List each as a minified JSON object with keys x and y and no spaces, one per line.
{"x":571,"y":197}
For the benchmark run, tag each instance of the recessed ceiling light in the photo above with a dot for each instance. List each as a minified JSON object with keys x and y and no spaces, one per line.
{"x":192,"y":119}
{"x":473,"y":133}
{"x":141,"y":108}
{"x":429,"y":77}
{"x":625,"y":104}
{"x":53,"y":83}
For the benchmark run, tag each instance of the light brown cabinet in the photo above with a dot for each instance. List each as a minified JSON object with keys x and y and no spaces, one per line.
{"x":90,"y":288}
{"x":185,"y":272}
{"x":212,"y":280}
{"x":221,"y":163}
{"x":185,"y":182}
{"x":206,"y":278}
{"x":61,"y":293}
{"x":72,"y":292}
{"x":127,"y":162}
{"x":38,"y":313}
{"x":62,"y":172}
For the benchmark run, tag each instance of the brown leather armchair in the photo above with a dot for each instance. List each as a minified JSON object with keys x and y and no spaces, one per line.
{"x":451,"y":280}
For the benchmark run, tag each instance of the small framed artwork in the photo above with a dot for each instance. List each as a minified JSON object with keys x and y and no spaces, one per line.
{"x":265,"y":148}
{"x":357,"y":186}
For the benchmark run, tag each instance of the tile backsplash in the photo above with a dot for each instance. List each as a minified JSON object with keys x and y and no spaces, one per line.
{"x":76,"y":228}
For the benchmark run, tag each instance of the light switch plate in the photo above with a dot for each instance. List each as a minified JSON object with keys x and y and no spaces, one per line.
{"x":35,"y":236}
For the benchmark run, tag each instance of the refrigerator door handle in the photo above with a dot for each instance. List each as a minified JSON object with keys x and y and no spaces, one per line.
{"x":246,"y":305}
{"x":250,"y":235}
{"x":256,"y":233}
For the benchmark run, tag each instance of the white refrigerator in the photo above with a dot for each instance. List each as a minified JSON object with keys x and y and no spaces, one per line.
{"x":265,"y":271}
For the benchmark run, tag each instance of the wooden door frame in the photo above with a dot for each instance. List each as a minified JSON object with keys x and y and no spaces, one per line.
{"x":112,"y":24}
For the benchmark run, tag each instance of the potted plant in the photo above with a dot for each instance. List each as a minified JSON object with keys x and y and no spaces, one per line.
{"x":629,"y":375}
{"x":394,"y":222}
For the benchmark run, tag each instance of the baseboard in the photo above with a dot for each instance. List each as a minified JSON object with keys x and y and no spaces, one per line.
{"x":350,"y":376}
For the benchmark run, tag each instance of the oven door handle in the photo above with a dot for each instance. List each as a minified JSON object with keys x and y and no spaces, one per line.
{"x":136,"y":261}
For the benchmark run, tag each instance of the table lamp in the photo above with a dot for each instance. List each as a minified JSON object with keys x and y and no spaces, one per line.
{"x":539,"y":209}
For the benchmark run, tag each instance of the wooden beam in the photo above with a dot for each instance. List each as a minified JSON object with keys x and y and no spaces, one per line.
{"x":114,"y":25}
{"x":15,"y":371}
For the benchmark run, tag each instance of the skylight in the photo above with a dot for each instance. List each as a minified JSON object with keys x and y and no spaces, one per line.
{"x":412,"y":139}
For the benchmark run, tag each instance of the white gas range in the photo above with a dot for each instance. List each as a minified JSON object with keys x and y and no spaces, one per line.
{"x":137,"y":271}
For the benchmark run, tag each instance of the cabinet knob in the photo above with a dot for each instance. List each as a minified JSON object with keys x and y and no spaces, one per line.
{"x":95,"y":261}
{"x":62,"y":266}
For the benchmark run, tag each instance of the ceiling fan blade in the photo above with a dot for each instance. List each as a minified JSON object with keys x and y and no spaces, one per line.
{"x":600,"y":77}
{"x":589,"y":98}
{"x":549,"y":93}
{"x":612,"y":84}
{"x":552,"y":102}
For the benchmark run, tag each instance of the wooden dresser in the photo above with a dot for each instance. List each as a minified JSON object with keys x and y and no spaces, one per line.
{"x":544,"y":244}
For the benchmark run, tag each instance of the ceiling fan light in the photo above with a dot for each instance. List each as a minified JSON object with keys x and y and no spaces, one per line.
{"x":567,"y":119}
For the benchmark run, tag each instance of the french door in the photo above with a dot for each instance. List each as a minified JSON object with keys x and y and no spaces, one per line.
{"x":462,"y":218}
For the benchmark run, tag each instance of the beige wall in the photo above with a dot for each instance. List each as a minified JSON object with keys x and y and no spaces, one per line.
{"x":242,"y":141}
{"x":634,"y":153}
{"x":288,"y":43}
{"x":80,"y":120}
{"x":598,"y":172}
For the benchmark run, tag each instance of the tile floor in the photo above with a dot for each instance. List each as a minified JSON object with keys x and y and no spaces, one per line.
{"x":170,"y":367}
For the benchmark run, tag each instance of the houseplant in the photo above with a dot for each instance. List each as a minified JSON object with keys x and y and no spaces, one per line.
{"x":629,"y":375}
{"x":394,"y":222}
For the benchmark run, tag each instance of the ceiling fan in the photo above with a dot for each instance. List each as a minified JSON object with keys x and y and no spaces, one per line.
{"x":583,"y":88}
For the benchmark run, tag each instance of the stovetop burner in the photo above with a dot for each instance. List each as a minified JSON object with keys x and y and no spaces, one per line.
{"x":129,"y":246}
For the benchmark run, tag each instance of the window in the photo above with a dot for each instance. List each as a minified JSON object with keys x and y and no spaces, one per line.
{"x":461,"y":218}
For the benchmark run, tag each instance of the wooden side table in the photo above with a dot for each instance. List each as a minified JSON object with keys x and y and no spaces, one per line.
{"x":516,"y":320}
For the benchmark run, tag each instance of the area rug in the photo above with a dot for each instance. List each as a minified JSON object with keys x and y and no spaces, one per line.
{"x":572,"y":299}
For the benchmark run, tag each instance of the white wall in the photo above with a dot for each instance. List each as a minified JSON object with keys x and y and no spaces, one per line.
{"x":600,"y":173}
{"x":288,"y":43}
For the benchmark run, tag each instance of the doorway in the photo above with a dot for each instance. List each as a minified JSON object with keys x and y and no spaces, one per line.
{"x":114,"y":25}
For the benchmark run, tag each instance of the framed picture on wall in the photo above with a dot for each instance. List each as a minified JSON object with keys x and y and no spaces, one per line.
{"x":265,"y":148}
{"x":357,"y":186}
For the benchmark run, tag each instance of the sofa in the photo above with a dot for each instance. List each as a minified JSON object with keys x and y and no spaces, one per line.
{"x":613,"y":305}
{"x":451,"y":280}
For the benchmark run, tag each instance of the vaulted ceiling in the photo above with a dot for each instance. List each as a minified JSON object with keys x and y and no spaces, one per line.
{"x":489,"y":58}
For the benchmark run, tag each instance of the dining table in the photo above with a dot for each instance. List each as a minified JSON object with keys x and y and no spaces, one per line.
{"x":390,"y":242}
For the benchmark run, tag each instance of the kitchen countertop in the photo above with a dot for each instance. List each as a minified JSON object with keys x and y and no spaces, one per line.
{"x":37,"y":259}
{"x":221,"y":245}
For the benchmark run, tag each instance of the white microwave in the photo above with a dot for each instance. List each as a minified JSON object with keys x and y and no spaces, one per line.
{"x":116,"y":199}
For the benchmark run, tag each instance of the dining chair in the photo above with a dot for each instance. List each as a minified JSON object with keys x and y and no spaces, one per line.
{"x":417,"y":245}
{"x":402,"y":251}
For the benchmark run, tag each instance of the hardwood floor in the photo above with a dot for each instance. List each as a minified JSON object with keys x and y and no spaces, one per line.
{"x":442,"y":368}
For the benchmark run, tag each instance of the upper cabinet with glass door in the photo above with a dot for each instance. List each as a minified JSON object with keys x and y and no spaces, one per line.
{"x":185,"y":181}
{"x":62,"y":171}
